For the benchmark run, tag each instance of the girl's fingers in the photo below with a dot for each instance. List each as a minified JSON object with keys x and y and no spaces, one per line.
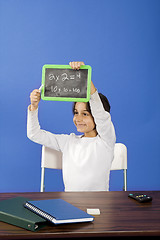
{"x":35,"y":96}
{"x":79,"y":65}
{"x":36,"y":91}
{"x":76,"y":65}
{"x":71,"y":64}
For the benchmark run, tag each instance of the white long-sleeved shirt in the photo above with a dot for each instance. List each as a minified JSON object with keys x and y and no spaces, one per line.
{"x":86,"y":161}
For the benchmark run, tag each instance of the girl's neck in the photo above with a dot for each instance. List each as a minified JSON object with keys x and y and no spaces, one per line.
{"x":91,"y":134}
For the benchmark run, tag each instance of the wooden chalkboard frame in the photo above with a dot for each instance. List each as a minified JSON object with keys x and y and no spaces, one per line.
{"x":69,"y":99}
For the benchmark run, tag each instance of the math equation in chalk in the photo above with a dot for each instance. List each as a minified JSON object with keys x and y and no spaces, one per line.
{"x":56,"y":89}
{"x":63,"y":82}
{"x":64,"y":77}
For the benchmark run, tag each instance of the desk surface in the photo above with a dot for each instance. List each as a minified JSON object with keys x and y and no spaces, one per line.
{"x":120,"y":216}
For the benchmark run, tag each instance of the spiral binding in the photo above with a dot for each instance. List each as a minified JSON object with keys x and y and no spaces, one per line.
{"x":39,"y":212}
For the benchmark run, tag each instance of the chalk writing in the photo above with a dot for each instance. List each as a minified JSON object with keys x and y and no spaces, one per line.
{"x":64,"y":77}
{"x":55,"y":89}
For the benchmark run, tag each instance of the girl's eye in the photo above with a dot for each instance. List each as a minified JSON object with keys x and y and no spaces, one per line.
{"x":75,"y":112}
{"x":85,"y":114}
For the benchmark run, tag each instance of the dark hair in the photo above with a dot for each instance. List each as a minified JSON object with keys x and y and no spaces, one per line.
{"x":104,"y":101}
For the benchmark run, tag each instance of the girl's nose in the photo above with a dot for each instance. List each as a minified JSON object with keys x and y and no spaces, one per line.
{"x":78,"y":118}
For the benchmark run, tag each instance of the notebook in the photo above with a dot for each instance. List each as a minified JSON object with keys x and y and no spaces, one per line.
{"x":13,"y":212}
{"x":58,"y":211}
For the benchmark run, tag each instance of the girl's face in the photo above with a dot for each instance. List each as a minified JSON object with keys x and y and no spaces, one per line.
{"x":83,"y":120}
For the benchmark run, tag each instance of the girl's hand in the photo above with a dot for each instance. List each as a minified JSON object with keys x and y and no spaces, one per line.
{"x":35,"y":97}
{"x":76,"y":65}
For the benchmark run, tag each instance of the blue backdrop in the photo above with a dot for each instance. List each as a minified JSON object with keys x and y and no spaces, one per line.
{"x":120,"y":40}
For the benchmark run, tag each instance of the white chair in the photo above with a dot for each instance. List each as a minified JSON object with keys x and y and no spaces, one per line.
{"x":120,"y":161}
{"x":53,"y":159}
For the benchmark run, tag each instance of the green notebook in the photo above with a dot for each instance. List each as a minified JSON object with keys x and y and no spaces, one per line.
{"x":13,"y":212}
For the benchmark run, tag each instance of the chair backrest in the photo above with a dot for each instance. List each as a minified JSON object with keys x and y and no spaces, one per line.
{"x":120,"y":161}
{"x":53,"y":159}
{"x":120,"y":157}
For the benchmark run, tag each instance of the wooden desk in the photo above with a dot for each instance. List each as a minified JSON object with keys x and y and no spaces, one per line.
{"x":120,"y":216}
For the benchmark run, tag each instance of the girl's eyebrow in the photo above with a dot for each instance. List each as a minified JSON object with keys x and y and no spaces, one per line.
{"x":75,"y":110}
{"x":82,"y":110}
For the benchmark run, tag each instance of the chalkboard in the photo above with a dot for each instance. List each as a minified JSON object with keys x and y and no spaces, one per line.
{"x":62,"y":83}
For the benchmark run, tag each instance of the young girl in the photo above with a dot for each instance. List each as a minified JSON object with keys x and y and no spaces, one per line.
{"x":86,"y":158}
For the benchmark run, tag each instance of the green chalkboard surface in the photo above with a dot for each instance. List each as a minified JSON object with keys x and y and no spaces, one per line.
{"x":62,"y":83}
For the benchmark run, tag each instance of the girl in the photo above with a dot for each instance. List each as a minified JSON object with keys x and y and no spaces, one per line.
{"x":86,"y":158}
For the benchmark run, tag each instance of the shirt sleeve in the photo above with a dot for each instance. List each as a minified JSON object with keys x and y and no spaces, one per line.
{"x":103,"y":121}
{"x":37,"y":135}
